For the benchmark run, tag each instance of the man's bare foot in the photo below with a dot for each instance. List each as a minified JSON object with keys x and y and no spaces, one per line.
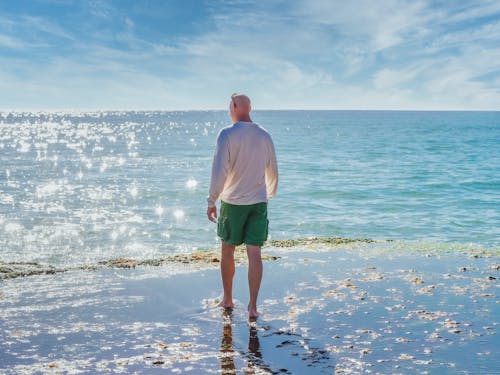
{"x":253,"y":314}
{"x":226,"y":305}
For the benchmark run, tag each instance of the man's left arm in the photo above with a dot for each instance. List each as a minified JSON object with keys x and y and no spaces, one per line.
{"x":220,"y":167}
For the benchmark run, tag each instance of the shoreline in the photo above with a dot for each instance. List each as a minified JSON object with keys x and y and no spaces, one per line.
{"x":211,"y":257}
{"x":202,"y":258}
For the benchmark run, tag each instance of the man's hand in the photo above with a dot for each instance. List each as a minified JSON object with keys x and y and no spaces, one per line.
{"x":212,"y":214}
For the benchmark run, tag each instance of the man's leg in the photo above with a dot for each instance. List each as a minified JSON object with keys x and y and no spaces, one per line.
{"x":254,"y":278}
{"x":227,"y":273}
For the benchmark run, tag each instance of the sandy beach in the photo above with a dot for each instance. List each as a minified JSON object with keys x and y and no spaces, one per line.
{"x":359,"y":307}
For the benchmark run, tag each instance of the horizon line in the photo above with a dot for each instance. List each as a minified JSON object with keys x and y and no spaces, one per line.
{"x":68,"y":110}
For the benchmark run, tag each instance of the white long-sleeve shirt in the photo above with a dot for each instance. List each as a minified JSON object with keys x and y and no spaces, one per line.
{"x":244,"y":169}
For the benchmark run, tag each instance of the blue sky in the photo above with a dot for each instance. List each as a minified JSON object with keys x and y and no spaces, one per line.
{"x":299,"y":54}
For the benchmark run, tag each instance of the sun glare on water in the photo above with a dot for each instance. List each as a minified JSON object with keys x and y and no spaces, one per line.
{"x":159,"y":210}
{"x":191,"y":184}
{"x":179,"y":214}
{"x":133,"y":191}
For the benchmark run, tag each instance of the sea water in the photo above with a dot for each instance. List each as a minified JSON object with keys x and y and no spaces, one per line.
{"x":77,"y":188}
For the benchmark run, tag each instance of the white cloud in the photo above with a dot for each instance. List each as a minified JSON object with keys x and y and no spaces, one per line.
{"x":378,"y":24}
{"x":10,"y":42}
{"x":43,"y":25}
{"x":486,"y":33}
{"x":390,"y":78}
{"x":471,"y":10}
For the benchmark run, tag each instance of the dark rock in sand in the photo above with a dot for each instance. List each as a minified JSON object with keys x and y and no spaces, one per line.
{"x":20,"y":269}
{"x":208,"y":258}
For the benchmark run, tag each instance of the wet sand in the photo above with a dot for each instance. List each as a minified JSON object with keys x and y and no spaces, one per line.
{"x":357,"y":307}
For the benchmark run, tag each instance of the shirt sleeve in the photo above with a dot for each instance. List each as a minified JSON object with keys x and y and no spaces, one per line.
{"x":271,"y":172}
{"x":220,"y":167}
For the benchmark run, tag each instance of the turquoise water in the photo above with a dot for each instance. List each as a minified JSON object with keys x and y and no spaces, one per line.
{"x":79,"y":188}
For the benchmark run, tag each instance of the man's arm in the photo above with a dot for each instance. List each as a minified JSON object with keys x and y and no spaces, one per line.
{"x":220,"y":167}
{"x":271,"y":172}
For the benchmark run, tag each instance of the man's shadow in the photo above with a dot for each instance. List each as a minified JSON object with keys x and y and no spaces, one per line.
{"x":227,"y":350}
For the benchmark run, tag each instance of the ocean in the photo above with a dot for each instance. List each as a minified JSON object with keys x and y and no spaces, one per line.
{"x":79,"y":188}
{"x":417,"y":292}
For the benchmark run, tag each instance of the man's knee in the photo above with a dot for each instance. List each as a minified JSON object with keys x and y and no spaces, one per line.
{"x":227,"y":250}
{"x":253,"y":252}
{"x":226,"y":246}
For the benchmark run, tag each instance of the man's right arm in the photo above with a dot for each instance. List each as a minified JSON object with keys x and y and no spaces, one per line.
{"x":271,"y":172}
{"x":220,"y":168}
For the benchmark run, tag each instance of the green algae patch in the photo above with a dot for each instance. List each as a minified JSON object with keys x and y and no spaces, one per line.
{"x":329,"y":241}
{"x":207,"y":257}
{"x":203,"y":257}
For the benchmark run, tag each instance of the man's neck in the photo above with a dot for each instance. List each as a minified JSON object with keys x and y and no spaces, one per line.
{"x":244,"y":119}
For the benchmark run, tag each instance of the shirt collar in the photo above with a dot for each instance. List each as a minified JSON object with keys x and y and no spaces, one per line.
{"x":243,"y":123}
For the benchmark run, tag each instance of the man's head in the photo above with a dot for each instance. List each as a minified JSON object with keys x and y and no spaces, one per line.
{"x":240,"y":107}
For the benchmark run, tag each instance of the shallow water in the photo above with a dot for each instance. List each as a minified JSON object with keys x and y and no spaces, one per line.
{"x":79,"y":188}
{"x":373,"y":308}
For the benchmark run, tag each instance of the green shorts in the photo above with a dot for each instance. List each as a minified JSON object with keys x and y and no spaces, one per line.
{"x":246,"y":224}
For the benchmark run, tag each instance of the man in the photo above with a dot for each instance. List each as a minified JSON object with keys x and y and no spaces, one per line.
{"x":244,"y":177}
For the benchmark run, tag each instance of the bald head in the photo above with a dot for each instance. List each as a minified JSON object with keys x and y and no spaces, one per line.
{"x":241,"y":101}
{"x":240,"y":108}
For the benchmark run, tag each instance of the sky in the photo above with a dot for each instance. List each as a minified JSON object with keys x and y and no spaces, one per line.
{"x":285,"y":54}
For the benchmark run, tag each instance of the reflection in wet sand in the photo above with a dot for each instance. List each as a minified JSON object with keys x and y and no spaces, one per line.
{"x":228,"y":352}
{"x":254,"y":353}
